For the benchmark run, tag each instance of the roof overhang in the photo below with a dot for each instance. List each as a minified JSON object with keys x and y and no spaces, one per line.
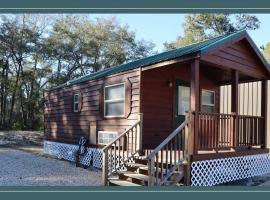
{"x":206,"y":57}
{"x":179,"y":60}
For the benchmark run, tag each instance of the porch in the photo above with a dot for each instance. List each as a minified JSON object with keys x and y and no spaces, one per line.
{"x":227,"y":111}
{"x":240,"y":126}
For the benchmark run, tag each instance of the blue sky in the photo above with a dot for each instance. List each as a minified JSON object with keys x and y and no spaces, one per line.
{"x":160,"y":28}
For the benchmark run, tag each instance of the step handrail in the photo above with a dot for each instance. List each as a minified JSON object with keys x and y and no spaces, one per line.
{"x":161,"y":167}
{"x":168,"y":139}
{"x":120,"y":136}
{"x":121,"y":150}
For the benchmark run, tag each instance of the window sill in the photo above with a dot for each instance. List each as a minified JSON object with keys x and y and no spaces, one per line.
{"x":115,"y":117}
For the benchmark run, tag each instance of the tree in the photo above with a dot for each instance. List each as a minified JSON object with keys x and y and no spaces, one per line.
{"x":20,"y":39}
{"x":266,"y":52}
{"x":199,"y":27}
{"x":78,"y":46}
{"x":37,"y":52}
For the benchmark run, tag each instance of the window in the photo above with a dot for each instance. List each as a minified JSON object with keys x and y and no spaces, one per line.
{"x":183,"y":99}
{"x":105,"y":137}
{"x":208,"y":101}
{"x":76,"y":102}
{"x":114,"y":100}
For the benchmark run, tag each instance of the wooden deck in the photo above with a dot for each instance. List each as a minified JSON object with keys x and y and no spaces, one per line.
{"x":216,"y":154}
{"x":208,"y":155}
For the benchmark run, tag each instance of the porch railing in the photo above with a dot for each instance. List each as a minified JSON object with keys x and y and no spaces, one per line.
{"x":166,"y":158}
{"x":250,"y":130}
{"x":218,"y":131}
{"x":121,"y":150}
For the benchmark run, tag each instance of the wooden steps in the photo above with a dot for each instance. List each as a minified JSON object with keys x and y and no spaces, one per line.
{"x":144,"y":161}
{"x":136,"y":174}
{"x":142,"y":169}
{"x":115,"y":182}
{"x":134,"y":177}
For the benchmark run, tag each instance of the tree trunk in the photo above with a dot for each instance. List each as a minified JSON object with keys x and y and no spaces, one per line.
{"x":4,"y":76}
{"x":13,"y":98}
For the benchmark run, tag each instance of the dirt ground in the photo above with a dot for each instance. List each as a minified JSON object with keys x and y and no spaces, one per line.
{"x":23,"y":163}
{"x":21,"y":138}
{"x":30,"y":141}
{"x":20,"y":168}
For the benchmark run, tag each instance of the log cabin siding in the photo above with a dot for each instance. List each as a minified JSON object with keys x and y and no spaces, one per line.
{"x":158,"y":100}
{"x":64,"y":125}
{"x":238,"y":56}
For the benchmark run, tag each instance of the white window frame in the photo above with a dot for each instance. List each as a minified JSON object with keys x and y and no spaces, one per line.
{"x":107,"y":132}
{"x":76,"y":102}
{"x":113,"y":101}
{"x":207,"y":104}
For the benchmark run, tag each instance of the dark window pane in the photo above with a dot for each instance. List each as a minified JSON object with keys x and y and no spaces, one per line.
{"x":76,"y":98}
{"x":76,"y":107}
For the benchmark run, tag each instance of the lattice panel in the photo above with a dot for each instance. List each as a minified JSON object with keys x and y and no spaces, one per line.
{"x":97,"y":158}
{"x":115,"y":162}
{"x":68,"y":152}
{"x":217,"y":171}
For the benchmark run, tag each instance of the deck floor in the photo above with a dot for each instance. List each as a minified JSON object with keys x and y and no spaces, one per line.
{"x":221,"y":153}
{"x":212,"y":154}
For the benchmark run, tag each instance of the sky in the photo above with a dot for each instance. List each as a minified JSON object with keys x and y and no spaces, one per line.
{"x":159,"y":28}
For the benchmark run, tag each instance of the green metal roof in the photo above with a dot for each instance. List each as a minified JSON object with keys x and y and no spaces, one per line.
{"x":190,"y":49}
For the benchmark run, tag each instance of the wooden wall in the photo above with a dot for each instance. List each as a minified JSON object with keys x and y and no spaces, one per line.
{"x":239,"y":56}
{"x":63,"y":125}
{"x":158,"y":100}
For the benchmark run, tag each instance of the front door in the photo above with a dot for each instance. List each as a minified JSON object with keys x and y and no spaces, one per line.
{"x":182,"y":101}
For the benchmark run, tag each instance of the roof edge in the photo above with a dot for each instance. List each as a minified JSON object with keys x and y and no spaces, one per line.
{"x":259,"y":53}
{"x":234,"y":36}
{"x":229,"y":37}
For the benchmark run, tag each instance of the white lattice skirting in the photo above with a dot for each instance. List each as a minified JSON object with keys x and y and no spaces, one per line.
{"x":217,"y":171}
{"x":68,"y":152}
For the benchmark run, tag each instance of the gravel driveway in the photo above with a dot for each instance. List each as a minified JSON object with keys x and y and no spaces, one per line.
{"x":19,"y":168}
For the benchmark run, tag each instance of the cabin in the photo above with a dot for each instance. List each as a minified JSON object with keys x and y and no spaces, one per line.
{"x":191,"y":116}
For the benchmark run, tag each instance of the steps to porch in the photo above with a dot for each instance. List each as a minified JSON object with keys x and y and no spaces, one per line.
{"x":125,"y":164}
{"x":136,"y":174}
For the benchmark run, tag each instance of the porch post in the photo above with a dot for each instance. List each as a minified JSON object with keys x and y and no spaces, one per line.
{"x":264,"y":95}
{"x":194,"y":105}
{"x":234,"y":105}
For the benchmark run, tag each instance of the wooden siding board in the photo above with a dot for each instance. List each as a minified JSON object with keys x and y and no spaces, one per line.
{"x":109,"y":79}
{"x":221,"y":62}
{"x":247,"y":63}
{"x":240,"y":55}
{"x":63,"y":125}
{"x":237,"y":56}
